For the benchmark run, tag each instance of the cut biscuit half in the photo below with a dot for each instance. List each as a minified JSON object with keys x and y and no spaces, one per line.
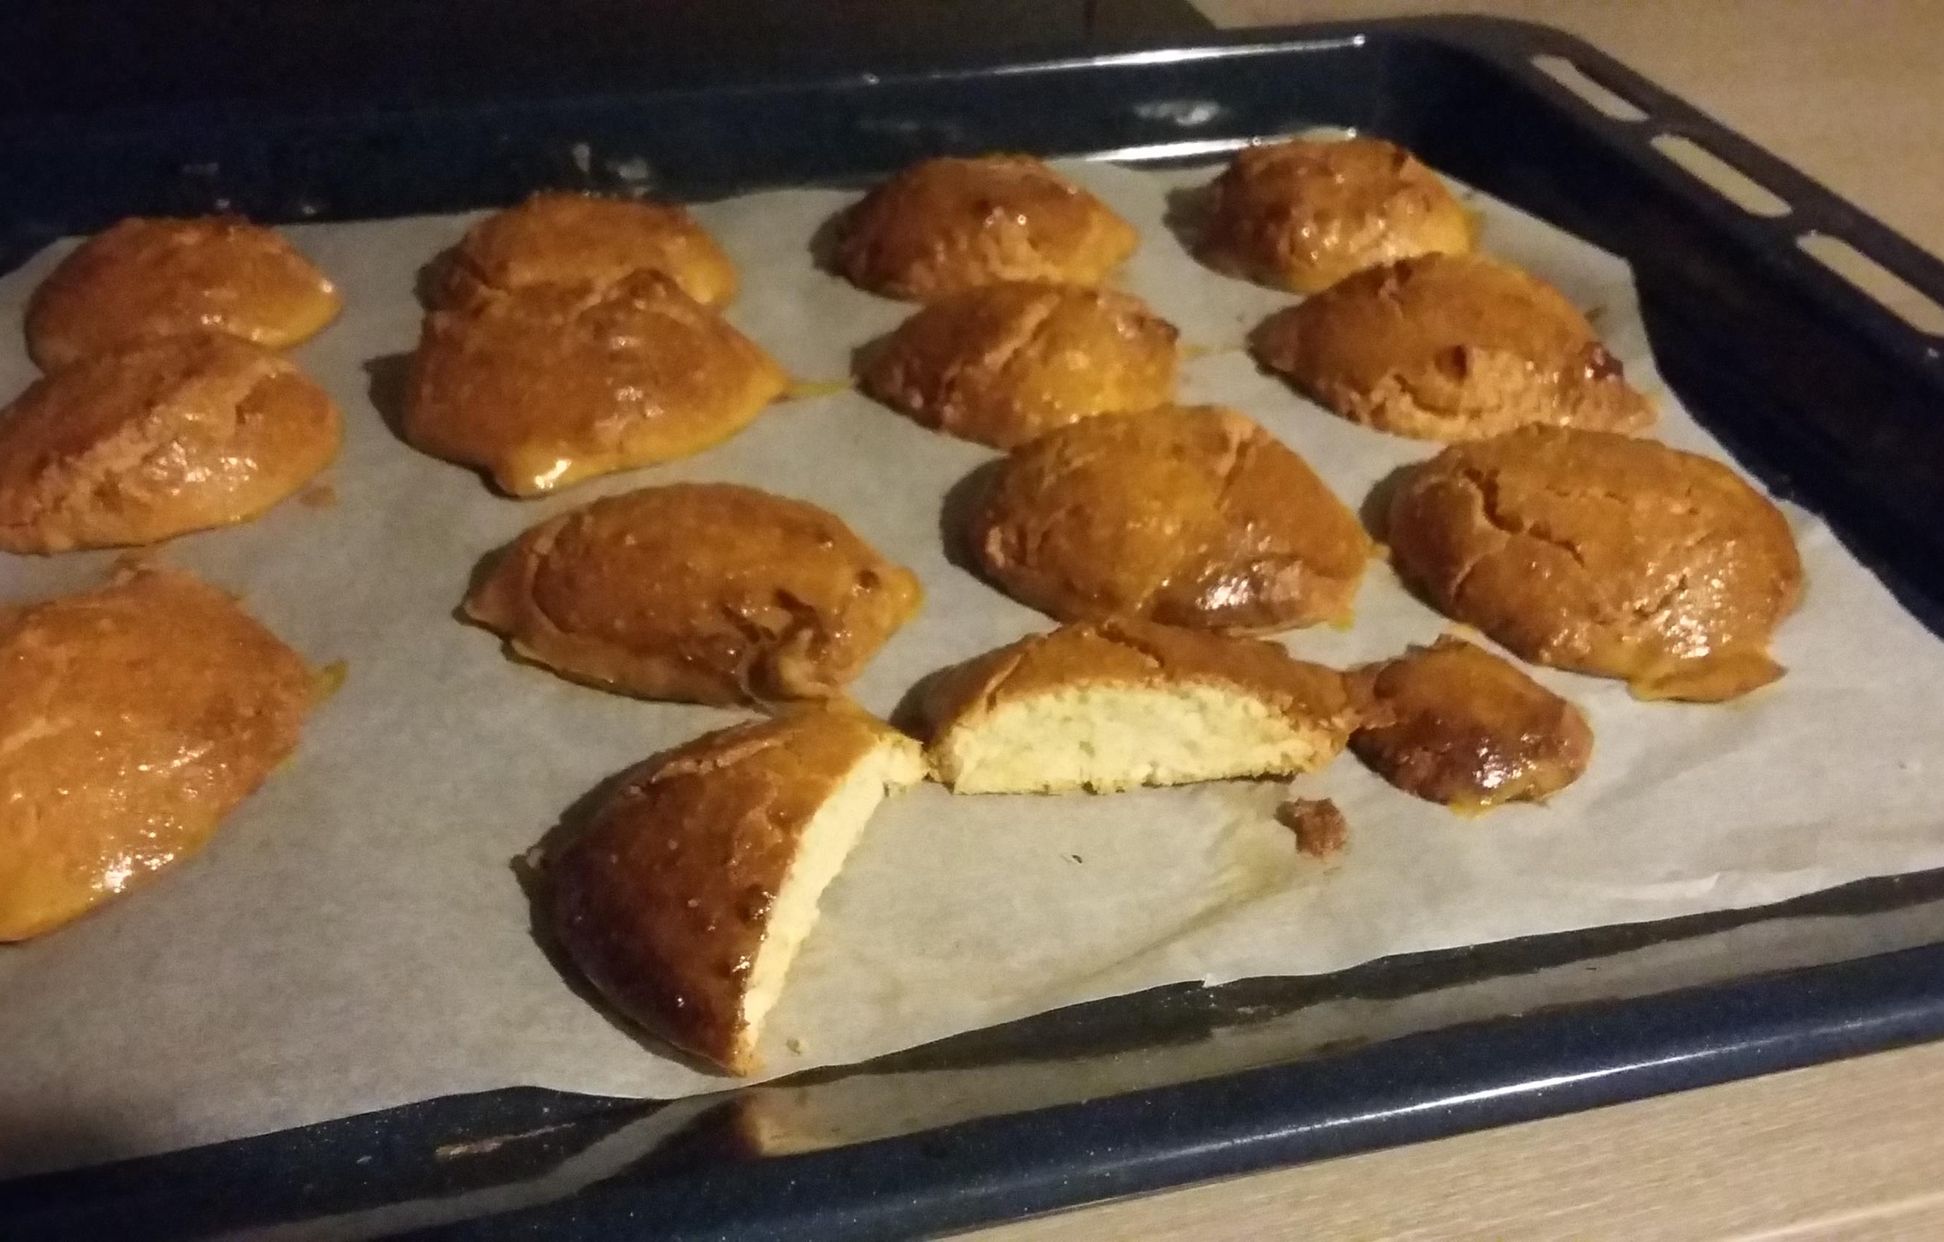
{"x":1120,"y":704}
{"x":687,"y":896}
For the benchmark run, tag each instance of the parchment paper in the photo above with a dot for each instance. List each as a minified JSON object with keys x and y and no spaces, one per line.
{"x":355,"y":937}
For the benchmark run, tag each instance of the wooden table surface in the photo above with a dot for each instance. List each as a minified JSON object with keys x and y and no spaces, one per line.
{"x":1851,"y":92}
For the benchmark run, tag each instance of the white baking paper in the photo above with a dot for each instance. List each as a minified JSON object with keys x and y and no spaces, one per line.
{"x":355,"y":937}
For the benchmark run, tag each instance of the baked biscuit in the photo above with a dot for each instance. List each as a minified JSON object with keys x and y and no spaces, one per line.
{"x":1450,"y":347}
{"x":133,"y":718}
{"x":561,"y":238}
{"x":1124,"y":703}
{"x":156,"y":438}
{"x":697,"y":592}
{"x":1453,"y":723}
{"x":688,"y":894}
{"x":157,"y":277}
{"x":1303,"y":214}
{"x":947,"y":224}
{"x":553,"y":384}
{"x":1002,"y":363}
{"x":1603,"y":554}
{"x":1190,"y":516}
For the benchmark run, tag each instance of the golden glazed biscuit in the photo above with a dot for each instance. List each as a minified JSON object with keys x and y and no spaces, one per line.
{"x":155,"y":277}
{"x":1190,"y":516}
{"x":698,"y":592}
{"x":947,"y":224}
{"x":1304,"y":214}
{"x":557,"y":237}
{"x":156,"y":438}
{"x":1456,"y":724}
{"x":1449,"y":347}
{"x":553,"y":384}
{"x":1002,"y":363}
{"x":132,"y":720}
{"x":696,"y":881}
{"x":1125,"y":703}
{"x":1603,"y":554}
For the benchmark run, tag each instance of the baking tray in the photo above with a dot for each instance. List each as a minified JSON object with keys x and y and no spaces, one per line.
{"x":1816,"y":385}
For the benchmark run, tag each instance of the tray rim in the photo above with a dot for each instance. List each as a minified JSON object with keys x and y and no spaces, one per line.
{"x":1444,"y":1082}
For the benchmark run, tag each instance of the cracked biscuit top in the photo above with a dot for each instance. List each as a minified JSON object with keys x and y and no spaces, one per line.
{"x":133,"y":719}
{"x":1304,"y":214}
{"x":560,"y":237}
{"x":1185,"y":515}
{"x":697,"y":592}
{"x":154,"y":439}
{"x":1603,"y":554}
{"x":947,"y":224}
{"x":551,"y":384}
{"x":1002,"y":363}
{"x":145,"y":278}
{"x":1449,"y":347}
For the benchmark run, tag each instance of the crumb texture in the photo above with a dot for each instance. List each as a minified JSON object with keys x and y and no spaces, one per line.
{"x":1124,"y":704}
{"x":688,"y":893}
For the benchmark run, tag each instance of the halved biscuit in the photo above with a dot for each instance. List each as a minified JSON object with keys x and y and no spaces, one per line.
{"x":552,"y":384}
{"x":687,"y":896}
{"x":146,"y":278}
{"x":133,"y":719}
{"x":1303,"y":214}
{"x":1602,"y":554}
{"x":697,"y":592}
{"x":156,"y":438}
{"x":1003,"y":363}
{"x":1456,"y":724}
{"x":1189,"y":516}
{"x":1450,"y":347}
{"x":1124,"y":703}
{"x":557,"y":237}
{"x":947,"y":224}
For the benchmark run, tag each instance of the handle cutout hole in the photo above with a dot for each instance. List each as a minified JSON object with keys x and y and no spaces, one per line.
{"x":1901,"y":299}
{"x":1600,"y":97}
{"x":1720,"y":176}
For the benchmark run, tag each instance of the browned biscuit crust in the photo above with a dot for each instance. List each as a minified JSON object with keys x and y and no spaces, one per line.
{"x":1303,"y":214}
{"x":553,"y":384}
{"x":558,"y":237}
{"x":1603,"y":554}
{"x":1003,"y":363}
{"x":1190,"y":516}
{"x":146,"y":278}
{"x":156,"y":438}
{"x":947,"y":224}
{"x":698,"y":592}
{"x":1450,"y":347}
{"x":133,"y":718}
{"x":1455,"y":724}
{"x":1320,"y":828}
{"x":665,"y":900}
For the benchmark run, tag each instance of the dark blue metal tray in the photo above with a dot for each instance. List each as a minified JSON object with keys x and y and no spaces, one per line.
{"x":1817,"y":386}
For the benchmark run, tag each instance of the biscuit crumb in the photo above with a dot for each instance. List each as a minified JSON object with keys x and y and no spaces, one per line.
{"x":795,"y":1044}
{"x":1321,"y":831}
